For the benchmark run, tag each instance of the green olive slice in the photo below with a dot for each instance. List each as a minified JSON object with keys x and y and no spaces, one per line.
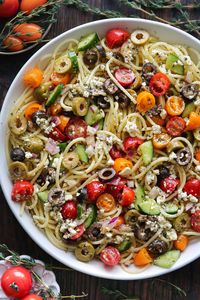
{"x":182,"y":222}
{"x":70,"y":160}
{"x":18,"y":171}
{"x":34,"y":144}
{"x":80,"y":106}
{"x":131,"y":216}
{"x":63,"y":64}
{"x":139,"y":37}
{"x":84,"y":251}
{"x":18,"y":124}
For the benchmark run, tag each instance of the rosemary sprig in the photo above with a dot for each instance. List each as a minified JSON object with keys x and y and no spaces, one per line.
{"x":180,"y":291}
{"x":116,"y":294}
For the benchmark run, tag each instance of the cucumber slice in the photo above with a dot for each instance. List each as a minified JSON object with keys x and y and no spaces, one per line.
{"x":79,"y":211}
{"x":190,"y":107}
{"x":80,"y":149}
{"x":54,"y":95}
{"x":43,"y":196}
{"x":92,"y":216}
{"x":168,"y":259}
{"x":125,"y":245}
{"x":94,"y":115}
{"x":150,"y":207}
{"x":170,"y":64}
{"x":171,"y":208}
{"x":100,"y":124}
{"x":147,"y":152}
{"x":88,"y":41}
{"x":73,"y":57}
{"x":139,"y":196}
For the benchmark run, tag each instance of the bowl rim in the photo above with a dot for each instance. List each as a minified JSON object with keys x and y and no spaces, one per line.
{"x":82,"y":267}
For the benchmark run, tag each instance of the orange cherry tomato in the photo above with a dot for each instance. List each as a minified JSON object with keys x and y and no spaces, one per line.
{"x":55,"y":109}
{"x":63,"y":122}
{"x":122,"y":163}
{"x":194,"y":121}
{"x":181,"y":242}
{"x":142,"y":258}
{"x":120,"y":221}
{"x":161,"y":140}
{"x":57,"y":78}
{"x":175,"y":106}
{"x":33,"y":77}
{"x":145,"y":101}
{"x":197,"y":155}
{"x":28,"y":5}
{"x":31,"y":108}
{"x":106,"y":202}
{"x":13,"y":44}
{"x":28,"y":32}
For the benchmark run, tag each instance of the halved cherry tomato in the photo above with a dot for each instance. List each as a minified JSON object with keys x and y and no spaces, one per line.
{"x":32,"y":108}
{"x":28,"y":32}
{"x":76,"y":128}
{"x":57,"y":78}
{"x":192,"y":187}
{"x":27,"y":5}
{"x":32,"y":297}
{"x":116,"y":186}
{"x":194,"y":121}
{"x":69,"y":210}
{"x":79,"y":232}
{"x":195,"y":221}
{"x":161,"y":140}
{"x":57,"y":135}
{"x":116,"y":37}
{"x":128,"y":196}
{"x":16,"y":282}
{"x":145,"y":101}
{"x":94,"y":190}
{"x":124,"y":76}
{"x":175,"y":106}
{"x":33,"y":77}
{"x":13,"y":43}
{"x":120,"y":221}
{"x":55,"y":109}
{"x":106,"y":202}
{"x":169,"y":184}
{"x":116,"y":152}
{"x":175,"y":126}
{"x":63,"y":122}
{"x":159,"y":84}
{"x":132,"y":143}
{"x":122,"y":163}
{"x":22,"y":191}
{"x":197,"y":155}
{"x":110,"y":256}
{"x":8,"y":8}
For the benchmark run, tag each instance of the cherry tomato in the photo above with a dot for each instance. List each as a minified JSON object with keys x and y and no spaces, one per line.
{"x":121,"y":163}
{"x":169,"y":184}
{"x":16,"y":282}
{"x":175,"y":106}
{"x":195,"y":221}
{"x":159,"y":84}
{"x":110,"y":256}
{"x":32,"y":297}
{"x":116,"y":188}
{"x":27,"y":5}
{"x":63,"y":122}
{"x":57,"y":78}
{"x":116,"y":153}
{"x":28,"y":32}
{"x":69,"y":210}
{"x":8,"y":8}
{"x":22,"y":191}
{"x":175,"y":126}
{"x":106,"y":202}
{"x":132,"y":143}
{"x":12,"y":43}
{"x":79,"y":232}
{"x":161,"y":140}
{"x":94,"y":190}
{"x":57,"y":135}
{"x":192,"y":187}
{"x":124,"y":76}
{"x":128,"y":196}
{"x":120,"y":221}
{"x":76,"y":128}
{"x":116,"y":37}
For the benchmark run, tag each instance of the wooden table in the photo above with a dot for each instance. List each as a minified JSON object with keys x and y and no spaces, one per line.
{"x":72,"y":282}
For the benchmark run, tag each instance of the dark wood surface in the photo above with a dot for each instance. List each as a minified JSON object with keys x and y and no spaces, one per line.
{"x":72,"y":282}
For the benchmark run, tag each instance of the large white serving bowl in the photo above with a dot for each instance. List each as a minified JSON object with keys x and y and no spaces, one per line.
{"x":95,"y":268}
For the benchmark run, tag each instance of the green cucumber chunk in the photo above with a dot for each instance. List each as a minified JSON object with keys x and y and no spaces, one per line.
{"x":73,"y":57}
{"x":190,"y":107}
{"x":147,"y":152}
{"x":94,"y":115}
{"x":170,"y":64}
{"x":168,"y":259}
{"x":62,"y":146}
{"x":92,"y":216}
{"x":100,"y":124}
{"x":43,"y":196}
{"x":150,"y":207}
{"x":54,"y":95}
{"x":80,"y":149}
{"x":88,"y":41}
{"x":171,"y":208}
{"x":125,"y":245}
{"x":79,"y":211}
{"x":139,"y":196}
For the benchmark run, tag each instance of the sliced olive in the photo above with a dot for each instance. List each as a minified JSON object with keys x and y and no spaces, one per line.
{"x":17,"y":154}
{"x":122,"y":99}
{"x":41,"y":93}
{"x":102,"y":52}
{"x":110,"y":87}
{"x":182,"y":222}
{"x":56,"y":197}
{"x":106,"y":174}
{"x":131,"y":216}
{"x":158,"y":247}
{"x":90,"y":57}
{"x":148,"y":70}
{"x":35,"y":145}
{"x":184,"y":157}
{"x":118,"y":56}
{"x":163,"y":173}
{"x":18,"y":124}
{"x":18,"y":171}
{"x":47,"y":175}
{"x":63,"y":64}
{"x":190,"y":91}
{"x":101,"y":102}
{"x":94,"y":232}
{"x":84,"y":251}
{"x":70,"y":160}
{"x":139,"y":37}
{"x":80,"y":106}
{"x":81,"y":195}
{"x":174,"y":145}
{"x":38,"y":115}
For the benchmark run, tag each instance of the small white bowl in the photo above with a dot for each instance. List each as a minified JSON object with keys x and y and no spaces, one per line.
{"x":95,"y":268}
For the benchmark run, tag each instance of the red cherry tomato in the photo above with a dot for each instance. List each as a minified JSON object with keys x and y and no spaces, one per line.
{"x":110,"y":256}
{"x":192,"y":187}
{"x":116,"y":37}
{"x":124,"y":76}
{"x":131,"y":143}
{"x":8,"y":8}
{"x":175,"y":126}
{"x":16,"y":282}
{"x":79,"y":232}
{"x":128,"y":196}
{"x":195,"y":221}
{"x":32,"y":297}
{"x":76,"y":127}
{"x":116,"y":153}
{"x":116,"y":186}
{"x":169,"y":184}
{"x":69,"y":210}
{"x":94,"y":190}
{"x":159,"y":84}
{"x":57,"y":135}
{"x":22,"y":191}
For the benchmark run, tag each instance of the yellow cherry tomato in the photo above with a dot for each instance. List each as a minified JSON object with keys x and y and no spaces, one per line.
{"x":122,"y":163}
{"x":145,"y":101}
{"x":175,"y":106}
{"x":106,"y":202}
{"x":161,"y":140}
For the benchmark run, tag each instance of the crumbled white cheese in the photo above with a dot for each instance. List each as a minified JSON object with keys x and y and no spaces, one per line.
{"x":164,"y":223}
{"x":131,"y":128}
{"x":156,"y":129}
{"x":197,"y":168}
{"x":160,"y":199}
{"x":110,"y":162}
{"x":68,"y":196}
{"x":161,"y":54}
{"x":187,"y":60}
{"x":187,"y":197}
{"x":90,"y":151}
{"x":163,"y":69}
{"x":150,"y":177}
{"x":172,"y":155}
{"x":130,"y":183}
{"x":171,"y":235}
{"x":28,"y":154}
{"x":55,"y":162}
{"x":86,"y":94}
{"x":91,"y":130}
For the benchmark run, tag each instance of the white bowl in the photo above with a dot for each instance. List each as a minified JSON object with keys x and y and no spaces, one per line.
{"x":96,"y":268}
